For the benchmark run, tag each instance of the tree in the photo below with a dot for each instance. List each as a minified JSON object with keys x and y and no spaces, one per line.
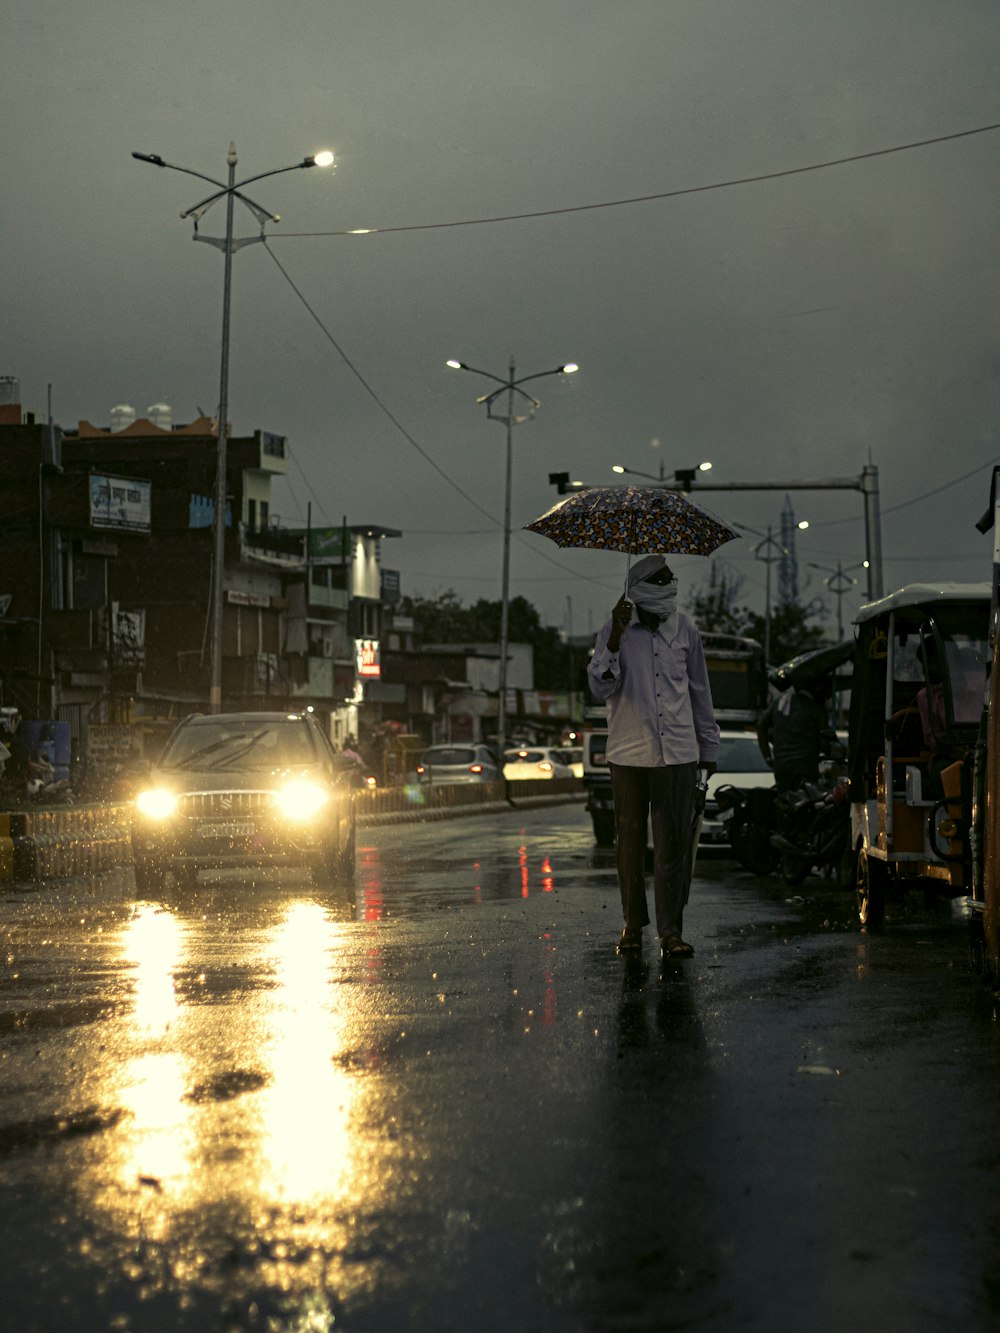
{"x":790,"y":632}
{"x":714,"y":609}
{"x":445,"y":620}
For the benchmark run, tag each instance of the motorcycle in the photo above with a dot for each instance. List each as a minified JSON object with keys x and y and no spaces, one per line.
{"x":747,"y":813}
{"x":812,"y":831}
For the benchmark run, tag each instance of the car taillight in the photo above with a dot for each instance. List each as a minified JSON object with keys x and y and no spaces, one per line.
{"x":475,"y":768}
{"x":421,"y":769}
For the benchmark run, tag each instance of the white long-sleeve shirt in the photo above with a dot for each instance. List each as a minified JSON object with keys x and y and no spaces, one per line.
{"x":658,"y":695}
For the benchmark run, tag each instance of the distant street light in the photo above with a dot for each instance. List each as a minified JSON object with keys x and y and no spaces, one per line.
{"x":229,"y":246}
{"x":866,"y":483}
{"x":839,"y":582}
{"x":508,"y":386}
{"x":683,"y":477}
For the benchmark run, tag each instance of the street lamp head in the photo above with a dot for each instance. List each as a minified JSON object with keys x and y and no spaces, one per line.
{"x":455,"y":365}
{"x":323,"y":159}
{"x":802,"y":524}
{"x":155,"y":158}
{"x":617,"y":467}
{"x":704,"y":467}
{"x":570,"y":368}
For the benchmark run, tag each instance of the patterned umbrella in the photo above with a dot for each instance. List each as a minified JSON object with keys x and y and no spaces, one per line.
{"x":640,"y":520}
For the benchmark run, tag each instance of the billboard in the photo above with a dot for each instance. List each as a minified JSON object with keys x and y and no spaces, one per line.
{"x":117,"y":502}
{"x":369,"y":663}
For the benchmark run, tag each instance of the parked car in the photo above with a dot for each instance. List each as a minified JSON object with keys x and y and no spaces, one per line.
{"x":536,"y":761}
{"x":457,"y":763}
{"x":740,"y":764}
{"x":573,"y":754}
{"x":245,"y":789}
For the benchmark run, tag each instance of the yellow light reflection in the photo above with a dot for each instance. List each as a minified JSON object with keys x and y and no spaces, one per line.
{"x":157,"y":1146}
{"x":305,"y":1109}
{"x":152,"y":945}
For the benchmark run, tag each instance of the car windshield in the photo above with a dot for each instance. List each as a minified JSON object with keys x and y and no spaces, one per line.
{"x":250,"y":744}
{"x":740,"y":754}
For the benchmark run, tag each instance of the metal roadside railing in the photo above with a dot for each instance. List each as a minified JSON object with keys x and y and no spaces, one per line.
{"x":60,"y":841}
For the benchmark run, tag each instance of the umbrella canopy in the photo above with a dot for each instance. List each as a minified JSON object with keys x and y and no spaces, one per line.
{"x":814,"y":665}
{"x":639,"y":520}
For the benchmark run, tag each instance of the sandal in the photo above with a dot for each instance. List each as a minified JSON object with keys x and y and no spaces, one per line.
{"x":675,"y":947}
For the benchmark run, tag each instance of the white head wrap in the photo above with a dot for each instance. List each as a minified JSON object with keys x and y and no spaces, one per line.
{"x":660,"y":599}
{"x":641,"y":570}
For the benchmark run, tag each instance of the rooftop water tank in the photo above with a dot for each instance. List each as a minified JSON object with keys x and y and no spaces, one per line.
{"x":162,"y":415}
{"x":10,"y":389}
{"x":122,"y":415}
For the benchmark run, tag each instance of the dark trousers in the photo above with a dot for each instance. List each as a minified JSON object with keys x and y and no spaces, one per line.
{"x":666,"y":796}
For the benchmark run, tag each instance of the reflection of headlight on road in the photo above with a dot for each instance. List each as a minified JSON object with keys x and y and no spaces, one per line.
{"x":301,"y":800}
{"x":156,"y":803}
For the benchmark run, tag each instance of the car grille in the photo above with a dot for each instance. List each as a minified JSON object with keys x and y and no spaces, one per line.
{"x":225,"y":804}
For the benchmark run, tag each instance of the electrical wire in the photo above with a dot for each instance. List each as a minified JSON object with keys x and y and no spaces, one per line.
{"x":905,"y":504}
{"x":399,"y":425}
{"x":663,"y":194}
{"x":370,"y":391}
{"x":579,"y":208}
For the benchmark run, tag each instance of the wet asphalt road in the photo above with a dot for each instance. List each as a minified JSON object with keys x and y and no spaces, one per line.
{"x":443,"y":1103}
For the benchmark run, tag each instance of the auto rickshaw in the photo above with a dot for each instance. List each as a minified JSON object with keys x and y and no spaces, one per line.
{"x":917,"y":702}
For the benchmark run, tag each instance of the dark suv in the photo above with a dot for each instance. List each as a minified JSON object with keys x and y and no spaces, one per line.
{"x":245,"y":789}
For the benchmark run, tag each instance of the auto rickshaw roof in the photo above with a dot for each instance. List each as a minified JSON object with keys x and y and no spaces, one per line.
{"x":923,"y":594}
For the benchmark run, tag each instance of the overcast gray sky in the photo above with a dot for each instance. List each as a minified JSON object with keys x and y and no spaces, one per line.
{"x":792,"y":328}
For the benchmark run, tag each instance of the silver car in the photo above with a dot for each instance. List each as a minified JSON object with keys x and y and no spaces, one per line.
{"x":457,"y":763}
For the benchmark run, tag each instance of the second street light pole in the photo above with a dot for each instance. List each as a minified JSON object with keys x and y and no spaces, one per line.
{"x":231,"y":190}
{"x":772,"y":551}
{"x":509,"y":386}
{"x":219,"y":530}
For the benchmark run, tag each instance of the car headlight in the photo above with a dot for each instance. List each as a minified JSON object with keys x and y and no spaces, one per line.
{"x":156,"y":803}
{"x":301,"y":800}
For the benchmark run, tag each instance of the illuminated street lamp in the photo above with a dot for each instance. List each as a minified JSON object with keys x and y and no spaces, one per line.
{"x":230,"y":191}
{"x":683,"y":477}
{"x":509,"y":386}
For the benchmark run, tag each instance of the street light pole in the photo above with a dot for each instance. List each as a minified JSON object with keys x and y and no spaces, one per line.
{"x":509,"y":386}
{"x":231,"y":190}
{"x":222,"y":449}
{"x":866,"y":483}
{"x":772,"y":551}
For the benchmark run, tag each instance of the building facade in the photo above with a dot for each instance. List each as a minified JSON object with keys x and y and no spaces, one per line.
{"x":106,"y":557}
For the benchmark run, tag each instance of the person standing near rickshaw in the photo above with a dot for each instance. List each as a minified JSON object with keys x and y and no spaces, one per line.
{"x":649,"y":668}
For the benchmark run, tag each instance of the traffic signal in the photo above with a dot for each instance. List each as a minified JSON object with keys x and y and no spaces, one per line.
{"x":562,"y":482}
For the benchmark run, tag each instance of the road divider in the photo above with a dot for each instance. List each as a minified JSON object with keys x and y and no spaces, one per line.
{"x":61,"y":841}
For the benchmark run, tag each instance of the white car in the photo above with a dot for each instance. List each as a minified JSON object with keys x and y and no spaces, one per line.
{"x":573,"y":754}
{"x":740,"y":764}
{"x":536,"y":761}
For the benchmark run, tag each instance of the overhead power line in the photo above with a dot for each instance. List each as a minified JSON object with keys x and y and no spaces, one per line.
{"x":398,"y":424}
{"x":663,"y":194}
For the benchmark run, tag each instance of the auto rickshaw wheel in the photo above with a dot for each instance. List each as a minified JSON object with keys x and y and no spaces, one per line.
{"x":871,"y":881}
{"x":977,"y":945}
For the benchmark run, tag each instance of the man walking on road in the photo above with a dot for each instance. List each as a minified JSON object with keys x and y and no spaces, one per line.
{"x":794,"y":731}
{"x":649,"y":667}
